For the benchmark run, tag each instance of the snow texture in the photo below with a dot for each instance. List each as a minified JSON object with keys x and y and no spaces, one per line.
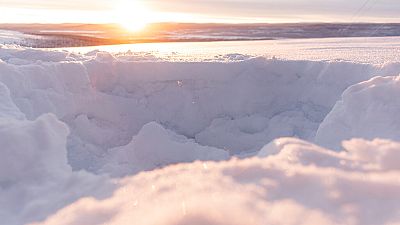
{"x":299,"y":184}
{"x":367,"y":110}
{"x":101,"y":138}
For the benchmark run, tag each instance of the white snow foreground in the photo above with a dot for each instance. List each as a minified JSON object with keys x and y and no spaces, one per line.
{"x":69,"y":122}
{"x":301,"y":184}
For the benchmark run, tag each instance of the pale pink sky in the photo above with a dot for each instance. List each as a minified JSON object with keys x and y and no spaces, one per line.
{"x":235,"y":11}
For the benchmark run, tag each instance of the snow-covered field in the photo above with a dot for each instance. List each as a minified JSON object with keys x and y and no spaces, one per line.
{"x":372,"y":50}
{"x":202,"y":135}
{"x":15,"y":37}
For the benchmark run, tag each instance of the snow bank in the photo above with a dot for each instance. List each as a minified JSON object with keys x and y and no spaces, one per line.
{"x":211,"y":101}
{"x":299,"y":183}
{"x":237,"y":106}
{"x":35,"y":177}
{"x":34,"y":169}
{"x":367,"y":110}
{"x":69,"y":121}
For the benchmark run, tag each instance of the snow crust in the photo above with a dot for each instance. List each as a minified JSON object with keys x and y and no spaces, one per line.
{"x":100,"y":138}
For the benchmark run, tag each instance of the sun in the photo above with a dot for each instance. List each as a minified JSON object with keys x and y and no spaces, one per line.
{"x":132,"y":15}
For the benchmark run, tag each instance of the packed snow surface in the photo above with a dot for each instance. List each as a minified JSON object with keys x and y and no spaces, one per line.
{"x":122,"y":138}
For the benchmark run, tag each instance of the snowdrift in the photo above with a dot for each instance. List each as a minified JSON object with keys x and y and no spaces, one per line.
{"x":301,"y":184}
{"x":367,"y":110}
{"x":69,"y":122}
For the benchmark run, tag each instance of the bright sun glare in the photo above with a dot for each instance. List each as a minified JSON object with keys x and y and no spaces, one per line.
{"x":132,"y":15}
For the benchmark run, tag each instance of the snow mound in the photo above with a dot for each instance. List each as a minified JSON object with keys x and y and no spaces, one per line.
{"x":291,"y":186}
{"x":154,"y":147}
{"x":35,"y":177}
{"x":34,"y":169}
{"x":367,"y":110}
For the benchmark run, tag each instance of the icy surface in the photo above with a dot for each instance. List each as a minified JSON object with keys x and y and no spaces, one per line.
{"x":73,"y":125}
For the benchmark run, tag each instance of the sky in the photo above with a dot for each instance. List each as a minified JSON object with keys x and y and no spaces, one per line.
{"x":229,"y":11}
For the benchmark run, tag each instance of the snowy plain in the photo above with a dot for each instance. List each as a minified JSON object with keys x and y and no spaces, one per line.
{"x":371,"y":50}
{"x":215,"y":133}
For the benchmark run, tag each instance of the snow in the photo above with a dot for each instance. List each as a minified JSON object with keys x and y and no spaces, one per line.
{"x":299,"y":184}
{"x":155,"y":146}
{"x":35,"y":177}
{"x":361,"y":50}
{"x":366,"y":110}
{"x":10,"y":37}
{"x":17,"y":38}
{"x":112,"y":138}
